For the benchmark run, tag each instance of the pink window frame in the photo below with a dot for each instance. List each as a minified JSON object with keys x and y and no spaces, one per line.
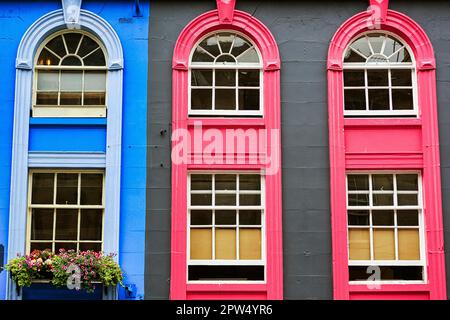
{"x":426,"y":160}
{"x":227,"y":19}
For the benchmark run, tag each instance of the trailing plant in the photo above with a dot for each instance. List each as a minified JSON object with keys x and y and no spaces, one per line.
{"x":84,"y":268}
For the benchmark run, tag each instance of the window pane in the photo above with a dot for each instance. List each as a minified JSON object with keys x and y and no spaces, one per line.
{"x":42,"y":224}
{"x":201,"y":77}
{"x":407,"y":217}
{"x":378,"y":99}
{"x":92,"y":246}
{"x":225,"y":99}
{"x":225,"y":244}
{"x":201,"y":99}
{"x":250,"y":244}
{"x":402,"y":99}
{"x":225,"y":217}
{"x":401,"y":77}
{"x":72,"y":41}
{"x":359,"y":244}
{"x":249,"y":217}
{"x":236,"y":273}
{"x":87,"y":46}
{"x":201,"y":217}
{"x":70,"y":98}
{"x":225,"y":58}
{"x":358,"y":218}
{"x":250,"y":56}
{"x":361,"y":45}
{"x":355,"y":99}
{"x":248,"y":99}
{"x":352,"y":56}
{"x":225,"y":199}
{"x":383,"y":242}
{"x":42,"y":189}
{"x":239,"y":46}
{"x":225,"y":182}
{"x":354,"y":78}
{"x":408,"y":244}
{"x":40,"y":246}
{"x":71,"y":80}
{"x":201,"y":56}
{"x":382,"y":182}
{"x":407,"y":199}
{"x":401,"y":56}
{"x":377,"y":78}
{"x":66,"y":246}
{"x":66,"y":224}
{"x":407,"y":182}
{"x":358,"y":182}
{"x":201,"y":244}
{"x":201,"y":199}
{"x":48,"y":80}
{"x":67,"y":188}
{"x":225,"y":41}
{"x":94,"y":81}
{"x":91,"y":224}
{"x":226,"y":78}
{"x":71,"y":61}
{"x":211,"y":45}
{"x":376,"y":41}
{"x":57,"y":46}
{"x":46,"y":58}
{"x":249,"y":199}
{"x":46,"y":98}
{"x":94,"y":98}
{"x":387,"y":273}
{"x":97,"y":58}
{"x":383,"y":217}
{"x":249,"y":182}
{"x":249,"y":78}
{"x":201,"y":182}
{"x":391,"y":46}
{"x":383,"y":200}
{"x":358,"y":199}
{"x":91,"y":189}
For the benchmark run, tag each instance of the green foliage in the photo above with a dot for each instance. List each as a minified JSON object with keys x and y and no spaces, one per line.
{"x":90,"y":268}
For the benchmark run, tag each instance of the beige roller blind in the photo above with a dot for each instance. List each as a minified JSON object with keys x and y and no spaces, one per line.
{"x":408,"y":244}
{"x":225,"y":244}
{"x":201,"y":244}
{"x":359,"y":244}
{"x":383,"y":244}
{"x":250,"y":244}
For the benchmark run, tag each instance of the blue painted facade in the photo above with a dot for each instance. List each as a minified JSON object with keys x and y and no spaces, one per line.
{"x":86,"y":135}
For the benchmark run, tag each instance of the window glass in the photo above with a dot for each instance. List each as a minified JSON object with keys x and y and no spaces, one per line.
{"x":225,"y":228}
{"x":225,"y":77}
{"x":70,"y":219}
{"x":378,"y":77}
{"x":384,"y":225}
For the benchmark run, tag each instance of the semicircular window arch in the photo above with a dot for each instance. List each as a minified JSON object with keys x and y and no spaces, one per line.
{"x":379,"y":77}
{"x":70,"y":79}
{"x":226,"y":76}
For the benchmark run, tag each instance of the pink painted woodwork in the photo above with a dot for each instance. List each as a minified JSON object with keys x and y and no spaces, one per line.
{"x":394,"y":144}
{"x":228,"y":19}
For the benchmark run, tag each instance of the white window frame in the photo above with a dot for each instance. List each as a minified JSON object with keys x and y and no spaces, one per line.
{"x":382,"y":66}
{"x":67,"y":111}
{"x":238,"y":66}
{"x":55,"y":206}
{"x":212,"y":207}
{"x":421,"y":225}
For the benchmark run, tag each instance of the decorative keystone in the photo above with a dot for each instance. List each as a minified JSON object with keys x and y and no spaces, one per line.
{"x":226,"y":10}
{"x":71,"y":9}
{"x":379,"y":10}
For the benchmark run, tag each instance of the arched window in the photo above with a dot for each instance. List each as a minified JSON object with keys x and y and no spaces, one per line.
{"x":379,"y":77}
{"x":70,"y":77}
{"x":225,"y":76}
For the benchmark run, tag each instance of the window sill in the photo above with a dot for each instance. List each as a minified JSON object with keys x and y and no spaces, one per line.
{"x":394,"y":122}
{"x":405,"y":286}
{"x":224,"y":122}
{"x":68,"y":121}
{"x":69,"y":111}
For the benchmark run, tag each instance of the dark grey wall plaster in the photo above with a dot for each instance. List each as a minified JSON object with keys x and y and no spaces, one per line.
{"x":303,"y":30}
